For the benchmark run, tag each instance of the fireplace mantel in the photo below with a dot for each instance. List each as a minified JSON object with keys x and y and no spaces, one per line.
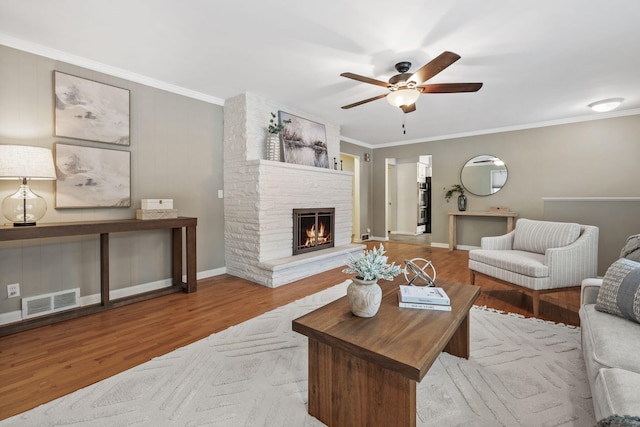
{"x":294,"y":167}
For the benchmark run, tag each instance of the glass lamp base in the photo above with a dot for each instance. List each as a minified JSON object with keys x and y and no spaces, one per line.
{"x":24,"y":207}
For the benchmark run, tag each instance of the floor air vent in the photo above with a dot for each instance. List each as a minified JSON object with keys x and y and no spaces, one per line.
{"x":50,"y":303}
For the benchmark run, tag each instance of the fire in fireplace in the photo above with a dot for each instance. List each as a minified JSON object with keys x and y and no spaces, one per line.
{"x":313,"y":229}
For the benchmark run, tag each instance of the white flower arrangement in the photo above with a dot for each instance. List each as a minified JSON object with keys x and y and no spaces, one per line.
{"x":372,"y":265}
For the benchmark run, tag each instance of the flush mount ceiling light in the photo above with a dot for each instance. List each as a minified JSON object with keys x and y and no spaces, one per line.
{"x":606,"y":105}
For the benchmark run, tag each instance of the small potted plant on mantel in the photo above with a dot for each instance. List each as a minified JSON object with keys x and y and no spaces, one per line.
{"x":462,"y":199}
{"x":273,"y":138}
{"x":363,"y":293}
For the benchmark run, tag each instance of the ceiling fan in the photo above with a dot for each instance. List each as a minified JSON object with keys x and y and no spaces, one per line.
{"x":405,"y":88}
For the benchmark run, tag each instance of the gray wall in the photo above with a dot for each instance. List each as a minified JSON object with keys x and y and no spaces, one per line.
{"x":596,"y":158}
{"x":176,"y":152}
{"x":617,"y":219}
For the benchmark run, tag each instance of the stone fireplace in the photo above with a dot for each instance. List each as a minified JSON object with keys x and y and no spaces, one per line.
{"x":260,"y":196}
{"x":313,"y":229}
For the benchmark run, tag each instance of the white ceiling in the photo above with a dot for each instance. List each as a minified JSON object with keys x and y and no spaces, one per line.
{"x":540,"y":61}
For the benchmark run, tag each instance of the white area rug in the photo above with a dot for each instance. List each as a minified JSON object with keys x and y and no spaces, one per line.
{"x":522,"y":372}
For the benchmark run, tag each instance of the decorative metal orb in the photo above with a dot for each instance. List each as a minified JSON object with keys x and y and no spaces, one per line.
{"x":419,"y":272}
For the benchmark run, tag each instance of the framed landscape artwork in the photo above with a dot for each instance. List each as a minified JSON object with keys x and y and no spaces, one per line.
{"x":92,"y":177}
{"x":92,"y":111}
{"x":304,"y":142}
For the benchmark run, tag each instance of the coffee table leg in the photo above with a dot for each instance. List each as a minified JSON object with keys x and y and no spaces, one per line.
{"x":459,"y":344}
{"x":319,"y":381}
{"x":345,"y":390}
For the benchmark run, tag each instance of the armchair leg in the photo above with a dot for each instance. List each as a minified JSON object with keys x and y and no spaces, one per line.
{"x":535,"y":296}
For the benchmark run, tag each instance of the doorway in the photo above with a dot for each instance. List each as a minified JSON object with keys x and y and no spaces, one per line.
{"x":408,"y":199}
{"x":351,"y":163}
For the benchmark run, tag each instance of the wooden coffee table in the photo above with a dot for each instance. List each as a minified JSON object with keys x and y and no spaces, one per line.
{"x":363,"y":371}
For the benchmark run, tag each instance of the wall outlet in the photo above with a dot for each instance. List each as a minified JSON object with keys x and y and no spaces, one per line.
{"x":364,"y":237}
{"x":13,"y":290}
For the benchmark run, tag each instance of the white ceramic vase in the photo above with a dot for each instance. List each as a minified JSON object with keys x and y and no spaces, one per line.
{"x":273,"y":147}
{"x":364,"y":297}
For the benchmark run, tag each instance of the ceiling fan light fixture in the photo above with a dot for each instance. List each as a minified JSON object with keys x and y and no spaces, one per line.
{"x":402,"y":97}
{"x":405,"y":88}
{"x":606,"y":104}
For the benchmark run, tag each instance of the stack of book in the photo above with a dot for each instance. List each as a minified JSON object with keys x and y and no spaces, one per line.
{"x":424,"y":298}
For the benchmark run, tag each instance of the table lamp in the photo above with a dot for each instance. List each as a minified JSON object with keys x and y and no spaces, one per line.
{"x":24,"y":163}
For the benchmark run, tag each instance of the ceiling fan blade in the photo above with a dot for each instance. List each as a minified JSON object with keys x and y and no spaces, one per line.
{"x":364,"y":101}
{"x":450,"y":87}
{"x":408,"y":108}
{"x":434,"y":66}
{"x":364,"y":79}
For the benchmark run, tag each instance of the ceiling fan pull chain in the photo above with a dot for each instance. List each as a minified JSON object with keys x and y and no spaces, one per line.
{"x":404,"y":120}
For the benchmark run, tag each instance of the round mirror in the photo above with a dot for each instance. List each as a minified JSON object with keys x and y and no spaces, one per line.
{"x":484,"y":175}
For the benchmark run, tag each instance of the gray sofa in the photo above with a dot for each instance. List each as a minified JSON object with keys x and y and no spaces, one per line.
{"x":611,"y":341}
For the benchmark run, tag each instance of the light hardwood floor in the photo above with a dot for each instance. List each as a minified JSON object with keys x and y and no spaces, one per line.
{"x":42,"y":364}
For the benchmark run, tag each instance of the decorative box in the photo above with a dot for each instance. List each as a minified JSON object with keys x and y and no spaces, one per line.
{"x":157,"y":204}
{"x":156,"y":213}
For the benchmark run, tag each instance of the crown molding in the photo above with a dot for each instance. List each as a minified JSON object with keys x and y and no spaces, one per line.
{"x":59,"y":55}
{"x":570,"y":120}
{"x":62,"y":56}
{"x":357,"y":142}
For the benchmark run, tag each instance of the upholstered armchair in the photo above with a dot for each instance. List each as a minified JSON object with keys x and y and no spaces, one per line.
{"x":538,"y":257}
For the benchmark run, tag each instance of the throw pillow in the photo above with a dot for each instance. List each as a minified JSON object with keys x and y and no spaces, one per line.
{"x":620,"y":290}
{"x":632,"y":249}
{"x":538,"y":236}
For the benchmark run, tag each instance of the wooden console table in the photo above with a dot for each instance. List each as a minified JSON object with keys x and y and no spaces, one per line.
{"x":103,"y":228}
{"x":453,"y":237}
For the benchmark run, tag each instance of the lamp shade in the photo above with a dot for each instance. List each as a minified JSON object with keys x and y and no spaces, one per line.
{"x":402,"y":97}
{"x":23,"y":161}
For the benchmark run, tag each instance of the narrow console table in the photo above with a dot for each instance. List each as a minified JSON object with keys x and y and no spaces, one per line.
{"x":453,"y":236}
{"x":104,"y":228}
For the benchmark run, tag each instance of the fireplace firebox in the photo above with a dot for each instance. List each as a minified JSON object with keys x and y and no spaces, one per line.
{"x":313,"y":229}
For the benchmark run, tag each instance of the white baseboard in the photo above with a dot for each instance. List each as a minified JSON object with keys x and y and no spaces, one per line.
{"x":16,"y":316}
{"x":10,"y":317}
{"x":460,"y":247}
{"x":440,"y":245}
{"x":210,"y":273}
{"x":147,"y":287}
